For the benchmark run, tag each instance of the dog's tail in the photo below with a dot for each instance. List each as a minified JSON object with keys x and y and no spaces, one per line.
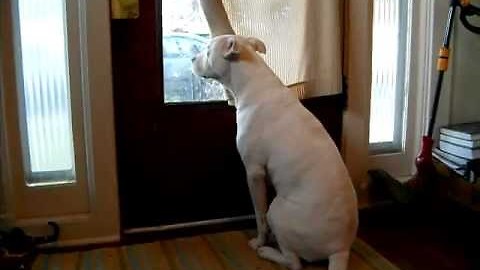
{"x":339,"y":260}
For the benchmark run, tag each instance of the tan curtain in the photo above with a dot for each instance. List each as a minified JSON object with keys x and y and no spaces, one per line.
{"x":303,"y":38}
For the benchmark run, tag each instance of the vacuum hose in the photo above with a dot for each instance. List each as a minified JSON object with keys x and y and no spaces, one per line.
{"x":469,"y":10}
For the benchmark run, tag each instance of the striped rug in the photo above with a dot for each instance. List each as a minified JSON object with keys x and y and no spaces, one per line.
{"x":221,"y":251}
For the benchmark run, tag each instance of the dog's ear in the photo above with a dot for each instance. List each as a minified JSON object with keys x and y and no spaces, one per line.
{"x":231,"y":52}
{"x":257,"y":44}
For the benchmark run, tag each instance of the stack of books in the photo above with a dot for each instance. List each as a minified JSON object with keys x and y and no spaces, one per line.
{"x":459,"y":149}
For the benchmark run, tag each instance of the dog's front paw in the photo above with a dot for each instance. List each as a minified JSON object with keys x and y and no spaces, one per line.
{"x":256,"y":242}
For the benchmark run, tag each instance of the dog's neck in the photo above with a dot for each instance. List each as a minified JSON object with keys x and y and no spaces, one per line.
{"x":253,"y":82}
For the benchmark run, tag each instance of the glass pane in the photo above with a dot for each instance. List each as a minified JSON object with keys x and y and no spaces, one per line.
{"x":185,"y":33}
{"x":388,"y":71}
{"x":46,"y":93}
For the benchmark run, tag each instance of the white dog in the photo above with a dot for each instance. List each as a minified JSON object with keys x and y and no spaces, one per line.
{"x":314,"y":214}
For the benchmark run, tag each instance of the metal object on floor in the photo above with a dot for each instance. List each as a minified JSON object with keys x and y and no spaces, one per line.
{"x":18,"y":250}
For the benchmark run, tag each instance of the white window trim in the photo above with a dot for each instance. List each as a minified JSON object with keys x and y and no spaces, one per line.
{"x":401,"y":85}
{"x":100,"y":222}
{"x":400,"y":164}
{"x":34,"y":200}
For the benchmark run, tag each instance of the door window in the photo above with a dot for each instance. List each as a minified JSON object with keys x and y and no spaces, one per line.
{"x":185,"y":33}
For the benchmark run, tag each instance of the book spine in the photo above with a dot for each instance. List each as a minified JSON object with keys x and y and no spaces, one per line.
{"x":452,"y":165}
{"x":455,"y":134}
{"x":455,"y":159}
{"x":457,"y":141}
{"x":459,"y":150}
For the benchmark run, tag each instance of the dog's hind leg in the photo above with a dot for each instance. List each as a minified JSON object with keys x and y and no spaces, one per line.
{"x":339,"y":260}
{"x":285,"y":258}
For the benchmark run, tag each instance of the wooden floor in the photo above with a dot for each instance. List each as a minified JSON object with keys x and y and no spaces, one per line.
{"x":219,"y":251}
{"x":416,"y":238}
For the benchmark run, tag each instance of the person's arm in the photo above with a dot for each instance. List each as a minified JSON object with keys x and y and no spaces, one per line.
{"x":216,"y":17}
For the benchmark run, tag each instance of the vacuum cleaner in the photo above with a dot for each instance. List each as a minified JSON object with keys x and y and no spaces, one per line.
{"x":425,"y":177}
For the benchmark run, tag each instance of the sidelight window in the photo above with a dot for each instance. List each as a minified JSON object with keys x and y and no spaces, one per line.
{"x":44,"y":92}
{"x":389,"y":64}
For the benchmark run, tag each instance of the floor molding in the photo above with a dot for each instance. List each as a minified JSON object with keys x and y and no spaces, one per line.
{"x":84,"y":243}
{"x":188,"y":225}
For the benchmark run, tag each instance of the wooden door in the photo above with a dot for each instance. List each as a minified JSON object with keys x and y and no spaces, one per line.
{"x":177,"y":162}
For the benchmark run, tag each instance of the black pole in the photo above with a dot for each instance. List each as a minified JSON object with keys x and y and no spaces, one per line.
{"x":426,"y":174}
{"x":442,"y":65}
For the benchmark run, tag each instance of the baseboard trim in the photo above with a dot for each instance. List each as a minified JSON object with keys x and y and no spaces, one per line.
{"x":66,"y":245}
{"x":42,"y":221}
{"x":145,"y":234}
{"x":188,"y":225}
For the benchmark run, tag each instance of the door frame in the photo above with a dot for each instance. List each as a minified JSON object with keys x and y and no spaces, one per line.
{"x":357,"y":69}
{"x":100,"y":222}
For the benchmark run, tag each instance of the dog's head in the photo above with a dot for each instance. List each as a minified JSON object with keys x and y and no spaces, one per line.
{"x":215,"y":60}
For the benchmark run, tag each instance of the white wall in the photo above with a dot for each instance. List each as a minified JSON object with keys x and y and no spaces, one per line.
{"x":465,"y":68}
